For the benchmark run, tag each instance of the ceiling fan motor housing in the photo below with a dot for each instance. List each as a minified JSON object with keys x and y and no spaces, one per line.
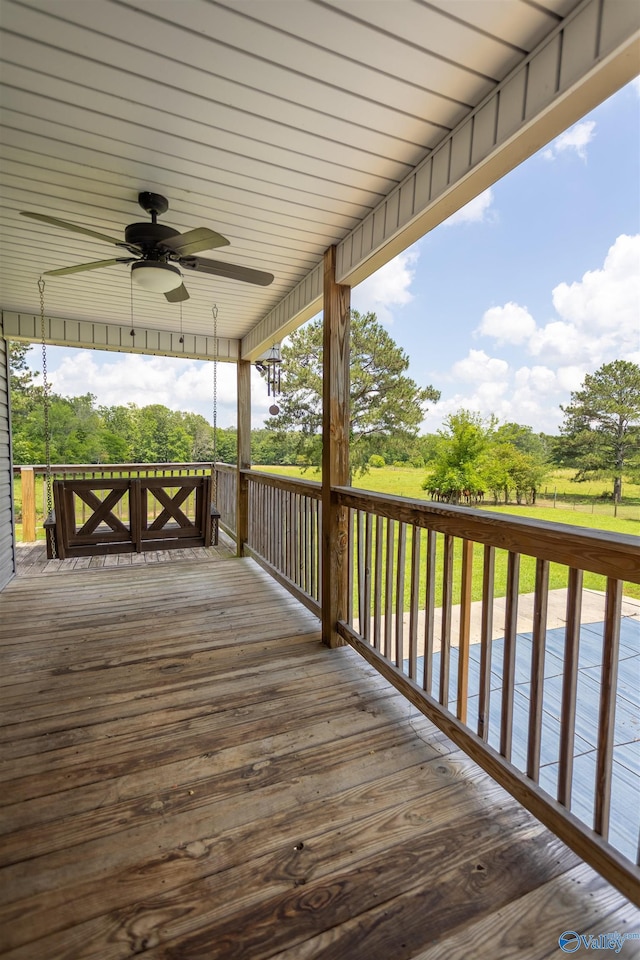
{"x":147,"y":236}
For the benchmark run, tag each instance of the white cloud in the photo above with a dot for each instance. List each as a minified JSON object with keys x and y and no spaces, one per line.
{"x":558,"y":341}
{"x":387,"y":287}
{"x":508,"y":324}
{"x":476,"y":211}
{"x":477,"y":367}
{"x":606,"y":301}
{"x":178,"y":384}
{"x":576,"y":138}
{"x":597,"y":316}
{"x":530,"y":395}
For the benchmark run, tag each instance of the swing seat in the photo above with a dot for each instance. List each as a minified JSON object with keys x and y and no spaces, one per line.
{"x":125,"y":515}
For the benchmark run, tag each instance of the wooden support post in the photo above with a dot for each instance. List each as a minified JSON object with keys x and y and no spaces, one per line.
{"x":244,"y":454}
{"x":335,"y":450}
{"x":28,"y":481}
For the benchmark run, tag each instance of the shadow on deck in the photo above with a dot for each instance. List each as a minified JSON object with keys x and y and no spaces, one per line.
{"x":31,"y":558}
{"x":188,"y":773}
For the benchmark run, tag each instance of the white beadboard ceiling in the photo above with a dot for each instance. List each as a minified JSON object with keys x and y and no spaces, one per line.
{"x":282,"y":124}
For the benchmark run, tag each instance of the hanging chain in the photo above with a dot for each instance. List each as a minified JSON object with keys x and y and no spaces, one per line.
{"x":46,"y":405}
{"x":214,"y":311}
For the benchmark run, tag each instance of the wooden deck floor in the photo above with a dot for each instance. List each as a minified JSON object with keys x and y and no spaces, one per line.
{"x":31,"y":558}
{"x":188,"y":774}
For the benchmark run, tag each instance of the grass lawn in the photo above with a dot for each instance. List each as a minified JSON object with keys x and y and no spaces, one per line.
{"x":407,"y":482}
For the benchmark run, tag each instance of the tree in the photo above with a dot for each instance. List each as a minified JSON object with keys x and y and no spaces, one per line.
{"x":472,"y":456}
{"x":455,"y":472}
{"x":601,"y":429}
{"x":384,"y":402}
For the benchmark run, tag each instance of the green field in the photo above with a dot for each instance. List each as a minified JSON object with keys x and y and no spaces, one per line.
{"x":407,"y":482}
{"x":583,"y":505}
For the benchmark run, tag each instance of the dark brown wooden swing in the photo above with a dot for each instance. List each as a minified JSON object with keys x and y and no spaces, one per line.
{"x":130,"y":515}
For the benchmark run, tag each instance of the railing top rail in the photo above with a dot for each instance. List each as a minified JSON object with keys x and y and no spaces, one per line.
{"x":308,"y":488}
{"x":614,"y":555}
{"x":225,"y":467}
{"x":39,"y":468}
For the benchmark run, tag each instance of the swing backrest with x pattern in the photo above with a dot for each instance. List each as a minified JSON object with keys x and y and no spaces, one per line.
{"x":95,"y":517}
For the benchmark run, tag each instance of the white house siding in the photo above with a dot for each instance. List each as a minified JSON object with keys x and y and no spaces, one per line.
{"x":7,"y":544}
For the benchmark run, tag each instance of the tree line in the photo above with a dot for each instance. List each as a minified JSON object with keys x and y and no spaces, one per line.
{"x":467,"y":460}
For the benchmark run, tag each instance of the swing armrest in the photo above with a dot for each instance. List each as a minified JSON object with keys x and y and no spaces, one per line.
{"x":50,"y":522}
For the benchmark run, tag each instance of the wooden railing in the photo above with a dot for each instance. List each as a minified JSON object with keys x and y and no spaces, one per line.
{"x":285,"y":524}
{"x":412,"y":615}
{"x":458,"y":609}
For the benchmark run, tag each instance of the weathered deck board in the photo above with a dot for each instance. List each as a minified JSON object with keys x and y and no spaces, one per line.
{"x":188,"y":773}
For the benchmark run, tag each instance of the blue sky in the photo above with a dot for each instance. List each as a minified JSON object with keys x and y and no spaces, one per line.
{"x":503,"y":308}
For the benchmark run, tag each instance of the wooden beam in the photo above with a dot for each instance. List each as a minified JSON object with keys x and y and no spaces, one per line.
{"x":335,"y":450}
{"x":244,"y":454}
{"x":97,"y":335}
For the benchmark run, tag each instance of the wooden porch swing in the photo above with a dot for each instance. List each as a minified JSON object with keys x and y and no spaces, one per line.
{"x":91,"y":517}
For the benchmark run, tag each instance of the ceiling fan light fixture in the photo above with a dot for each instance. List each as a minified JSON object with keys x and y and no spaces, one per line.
{"x":156,"y":277}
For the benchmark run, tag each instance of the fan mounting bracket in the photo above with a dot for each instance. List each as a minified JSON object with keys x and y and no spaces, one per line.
{"x":153,"y":203}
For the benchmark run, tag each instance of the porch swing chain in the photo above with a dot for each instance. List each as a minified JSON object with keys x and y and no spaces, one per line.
{"x":46,"y":405}
{"x":214,"y":311}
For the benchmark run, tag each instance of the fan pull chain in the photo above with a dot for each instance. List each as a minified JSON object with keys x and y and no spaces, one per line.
{"x":46,"y":406}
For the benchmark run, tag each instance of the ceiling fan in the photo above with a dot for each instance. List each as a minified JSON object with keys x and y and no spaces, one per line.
{"x":157,"y":249}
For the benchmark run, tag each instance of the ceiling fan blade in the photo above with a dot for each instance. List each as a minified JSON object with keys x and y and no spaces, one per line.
{"x":193,"y":241}
{"x":218,"y":268}
{"x":76,"y":228}
{"x":95,"y":265}
{"x":177,"y":295}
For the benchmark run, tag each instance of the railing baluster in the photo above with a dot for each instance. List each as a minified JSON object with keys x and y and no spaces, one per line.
{"x":509,"y":660}
{"x":351,"y":599}
{"x":540,"y":604}
{"x":299,"y":528}
{"x":486,"y":641}
{"x":313,"y":589}
{"x":414,"y":601}
{"x":361,"y":570}
{"x":569,"y":687}
{"x":400,"y":571}
{"x":429,"y":611}
{"x":294,"y":536}
{"x":321,"y":550}
{"x":465,"y":630}
{"x":445,"y":631}
{"x":388,"y":599}
{"x":377,"y":591}
{"x":367,"y":576}
{"x":308,"y":528}
{"x":607,"y":709}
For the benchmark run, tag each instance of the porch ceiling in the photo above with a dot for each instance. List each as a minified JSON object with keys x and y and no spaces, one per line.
{"x":284,"y":126}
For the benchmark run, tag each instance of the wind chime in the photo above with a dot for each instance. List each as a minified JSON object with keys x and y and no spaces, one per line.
{"x":270,"y":366}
